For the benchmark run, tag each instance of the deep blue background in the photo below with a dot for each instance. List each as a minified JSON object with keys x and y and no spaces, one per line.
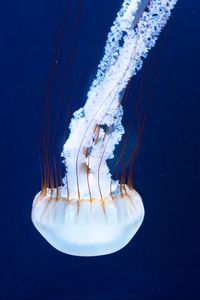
{"x":162,"y":261}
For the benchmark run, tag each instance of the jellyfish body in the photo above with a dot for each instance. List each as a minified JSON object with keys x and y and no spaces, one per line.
{"x":88,"y":227}
{"x":92,"y":214}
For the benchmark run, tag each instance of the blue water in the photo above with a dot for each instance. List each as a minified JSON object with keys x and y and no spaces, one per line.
{"x":162,"y":261}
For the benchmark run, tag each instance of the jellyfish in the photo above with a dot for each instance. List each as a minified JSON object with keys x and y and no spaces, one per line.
{"x":92,"y":214}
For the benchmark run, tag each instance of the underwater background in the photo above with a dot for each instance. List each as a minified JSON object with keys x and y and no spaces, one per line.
{"x":162,"y":261}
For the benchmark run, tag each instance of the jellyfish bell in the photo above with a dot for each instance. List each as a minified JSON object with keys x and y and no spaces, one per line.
{"x":88,"y":227}
{"x":88,"y":213}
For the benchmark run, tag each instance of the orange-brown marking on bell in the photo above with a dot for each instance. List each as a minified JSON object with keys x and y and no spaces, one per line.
{"x":122,"y":181}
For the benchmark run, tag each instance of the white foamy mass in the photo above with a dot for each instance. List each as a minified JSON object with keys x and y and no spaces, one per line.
{"x":133,"y":34}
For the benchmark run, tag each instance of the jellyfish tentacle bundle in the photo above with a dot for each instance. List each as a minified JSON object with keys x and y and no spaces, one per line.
{"x":89,"y":215}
